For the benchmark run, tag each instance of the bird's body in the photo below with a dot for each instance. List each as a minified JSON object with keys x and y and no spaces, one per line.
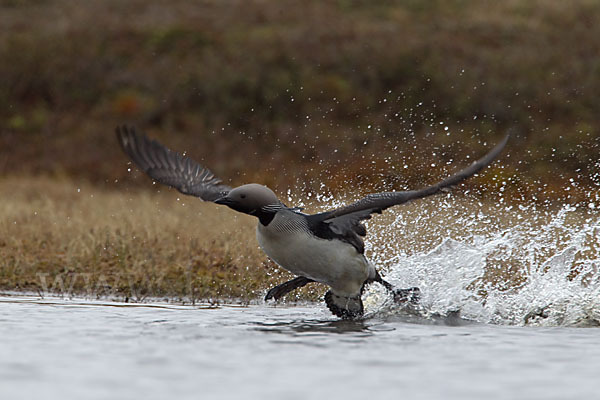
{"x":326,"y":247}
{"x":288,"y":241}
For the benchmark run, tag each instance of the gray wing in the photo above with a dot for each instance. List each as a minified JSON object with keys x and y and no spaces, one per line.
{"x":168,"y":167}
{"x":346,"y":221}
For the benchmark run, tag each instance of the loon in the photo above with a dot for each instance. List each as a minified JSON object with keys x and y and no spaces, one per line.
{"x":326,"y":247}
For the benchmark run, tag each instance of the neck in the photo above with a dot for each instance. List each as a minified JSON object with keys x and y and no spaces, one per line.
{"x":265,"y":217}
{"x":266,"y":213}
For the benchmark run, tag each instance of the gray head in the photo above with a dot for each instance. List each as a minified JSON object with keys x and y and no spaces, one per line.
{"x":250,"y":199}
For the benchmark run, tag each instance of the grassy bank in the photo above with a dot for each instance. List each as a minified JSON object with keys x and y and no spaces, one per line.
{"x":342,"y":88}
{"x":76,"y":239}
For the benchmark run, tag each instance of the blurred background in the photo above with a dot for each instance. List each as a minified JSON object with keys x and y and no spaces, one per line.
{"x":388,"y":94}
{"x":322,"y":100}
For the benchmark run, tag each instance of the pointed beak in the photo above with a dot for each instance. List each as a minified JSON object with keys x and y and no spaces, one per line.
{"x":226,"y":201}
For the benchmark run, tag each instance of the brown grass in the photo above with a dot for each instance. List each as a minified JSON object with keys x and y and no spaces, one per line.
{"x":64,"y":237}
{"x":76,"y":239}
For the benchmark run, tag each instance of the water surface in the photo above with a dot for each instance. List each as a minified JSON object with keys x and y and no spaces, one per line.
{"x":56,"y":348}
{"x":510,"y":309}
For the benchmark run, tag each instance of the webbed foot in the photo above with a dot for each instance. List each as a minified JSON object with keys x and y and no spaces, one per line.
{"x":407,"y":296}
{"x":344,"y":307}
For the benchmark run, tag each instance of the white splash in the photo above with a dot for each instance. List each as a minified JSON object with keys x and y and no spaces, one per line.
{"x":493,"y":264}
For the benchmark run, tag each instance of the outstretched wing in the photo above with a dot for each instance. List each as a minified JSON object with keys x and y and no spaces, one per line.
{"x":169,"y":167}
{"x":378,"y":202}
{"x":345,"y":222}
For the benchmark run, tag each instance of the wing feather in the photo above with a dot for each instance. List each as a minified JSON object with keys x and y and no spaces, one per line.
{"x":169,"y":167}
{"x":378,"y":202}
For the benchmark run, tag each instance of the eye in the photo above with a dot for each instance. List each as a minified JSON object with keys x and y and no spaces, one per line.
{"x":242,"y":196}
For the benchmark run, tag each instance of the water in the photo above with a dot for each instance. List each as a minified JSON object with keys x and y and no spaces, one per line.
{"x":55,"y":348}
{"x":505,"y":265}
{"x":510,"y":309}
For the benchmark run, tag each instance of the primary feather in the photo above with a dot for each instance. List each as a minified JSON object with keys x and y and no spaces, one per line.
{"x":169,"y":167}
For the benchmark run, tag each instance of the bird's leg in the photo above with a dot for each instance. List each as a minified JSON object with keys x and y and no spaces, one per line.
{"x":281,"y":290}
{"x":401,"y":296}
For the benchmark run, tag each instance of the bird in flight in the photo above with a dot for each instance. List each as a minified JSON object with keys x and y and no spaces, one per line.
{"x":326,"y":247}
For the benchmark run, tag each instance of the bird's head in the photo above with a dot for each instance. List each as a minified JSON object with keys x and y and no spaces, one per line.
{"x":251,"y":199}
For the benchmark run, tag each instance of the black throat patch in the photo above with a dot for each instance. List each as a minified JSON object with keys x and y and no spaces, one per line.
{"x":265,"y":216}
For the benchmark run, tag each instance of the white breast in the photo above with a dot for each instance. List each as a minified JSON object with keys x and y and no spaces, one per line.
{"x":331,"y":262}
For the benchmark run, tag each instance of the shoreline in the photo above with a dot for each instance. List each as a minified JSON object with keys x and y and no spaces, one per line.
{"x":159,"y":302}
{"x":63,"y":237}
